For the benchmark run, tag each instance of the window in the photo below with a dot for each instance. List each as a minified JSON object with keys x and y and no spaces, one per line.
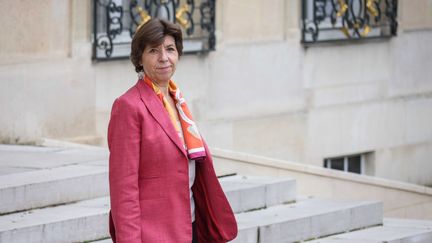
{"x":351,"y":163}
{"x":331,"y":20}
{"x":115,"y":22}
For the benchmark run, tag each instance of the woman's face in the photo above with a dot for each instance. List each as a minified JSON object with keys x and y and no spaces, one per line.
{"x":159,"y":62}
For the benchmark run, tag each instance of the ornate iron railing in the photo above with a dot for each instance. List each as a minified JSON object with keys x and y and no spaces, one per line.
{"x":115,"y":22}
{"x":331,"y":20}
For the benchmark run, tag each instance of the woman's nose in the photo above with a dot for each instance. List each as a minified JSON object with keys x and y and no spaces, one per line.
{"x":163,"y":57}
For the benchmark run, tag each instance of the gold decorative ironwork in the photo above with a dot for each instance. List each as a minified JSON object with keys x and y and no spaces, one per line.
{"x":345,"y":31}
{"x":145,"y":17}
{"x":349,"y":19}
{"x":184,"y":22}
{"x":370,"y":7}
{"x":343,"y":8}
{"x":366,"y":30}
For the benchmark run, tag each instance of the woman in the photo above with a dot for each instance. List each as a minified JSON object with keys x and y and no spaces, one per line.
{"x":163,"y":186}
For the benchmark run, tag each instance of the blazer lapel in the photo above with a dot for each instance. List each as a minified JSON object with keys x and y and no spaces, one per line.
{"x":155,"y":106}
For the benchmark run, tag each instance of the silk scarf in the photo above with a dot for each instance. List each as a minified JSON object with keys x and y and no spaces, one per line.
{"x":187,"y":129}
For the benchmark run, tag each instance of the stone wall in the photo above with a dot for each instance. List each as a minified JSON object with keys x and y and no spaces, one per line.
{"x":47,"y":88}
{"x":400,"y":200}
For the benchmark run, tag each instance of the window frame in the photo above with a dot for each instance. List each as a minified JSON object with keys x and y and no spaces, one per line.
{"x":321,"y":24}
{"x":328,"y":163}
{"x":115,"y":21}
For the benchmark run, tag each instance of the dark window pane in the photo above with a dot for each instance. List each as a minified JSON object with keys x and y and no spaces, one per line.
{"x":337,"y":164}
{"x":354,"y":164}
{"x":325,"y":163}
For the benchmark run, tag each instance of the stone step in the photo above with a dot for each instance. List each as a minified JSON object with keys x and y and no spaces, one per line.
{"x":88,"y":220}
{"x":52,"y":186}
{"x":76,"y":222}
{"x":304,"y":220}
{"x":102,"y":241}
{"x":393,"y":231}
{"x":78,"y":182}
{"x":246,"y":193}
{"x":71,"y":183}
{"x":55,"y":176}
{"x":15,"y":158}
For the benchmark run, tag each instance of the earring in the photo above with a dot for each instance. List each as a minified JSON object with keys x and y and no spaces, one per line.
{"x":141,"y":75}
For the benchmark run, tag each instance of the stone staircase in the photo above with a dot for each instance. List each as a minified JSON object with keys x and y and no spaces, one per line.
{"x":393,"y":231}
{"x":61,"y":195}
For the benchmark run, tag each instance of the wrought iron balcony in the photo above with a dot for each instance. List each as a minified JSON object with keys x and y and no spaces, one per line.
{"x":115,"y":22}
{"x":335,"y":20}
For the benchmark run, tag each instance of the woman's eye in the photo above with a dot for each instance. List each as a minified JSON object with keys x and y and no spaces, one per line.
{"x":171,"y":49}
{"x":153,"y":50}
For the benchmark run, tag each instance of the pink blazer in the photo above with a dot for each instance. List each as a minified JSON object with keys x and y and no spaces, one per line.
{"x":149,"y":182}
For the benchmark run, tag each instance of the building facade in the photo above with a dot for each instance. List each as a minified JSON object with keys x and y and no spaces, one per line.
{"x":358,"y":105}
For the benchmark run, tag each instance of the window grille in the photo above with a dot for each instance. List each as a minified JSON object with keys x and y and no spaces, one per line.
{"x":115,"y":22}
{"x":336,"y":20}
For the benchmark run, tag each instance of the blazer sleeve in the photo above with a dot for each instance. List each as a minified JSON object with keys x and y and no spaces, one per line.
{"x":124,"y":135}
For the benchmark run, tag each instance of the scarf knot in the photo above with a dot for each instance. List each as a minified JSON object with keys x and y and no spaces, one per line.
{"x":186,"y":128}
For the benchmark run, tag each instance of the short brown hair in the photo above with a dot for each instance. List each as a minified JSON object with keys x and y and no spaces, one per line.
{"x":153,"y":33}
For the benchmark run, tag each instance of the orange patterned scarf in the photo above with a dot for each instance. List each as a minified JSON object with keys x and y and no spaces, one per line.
{"x":187,"y":129}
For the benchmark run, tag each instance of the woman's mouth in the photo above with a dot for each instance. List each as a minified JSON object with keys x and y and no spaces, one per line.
{"x":164,"y":69}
